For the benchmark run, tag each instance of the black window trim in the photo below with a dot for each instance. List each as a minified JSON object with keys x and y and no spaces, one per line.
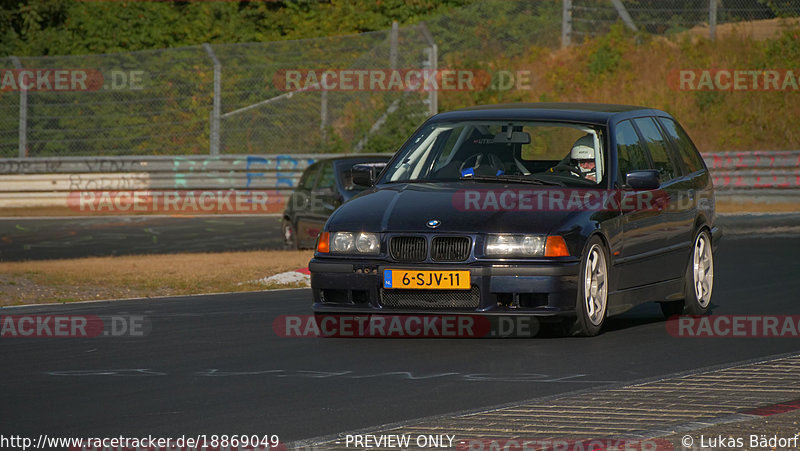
{"x":642,"y":144}
{"x":647,"y":148}
{"x":686,"y":172}
{"x":672,"y":150}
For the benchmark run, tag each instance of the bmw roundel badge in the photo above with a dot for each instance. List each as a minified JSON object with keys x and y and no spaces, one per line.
{"x":434,"y":223}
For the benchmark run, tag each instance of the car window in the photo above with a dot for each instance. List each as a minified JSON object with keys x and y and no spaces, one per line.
{"x":686,"y":149}
{"x":308,"y":178}
{"x":454,"y":137}
{"x":658,"y":148}
{"x":327,"y":177}
{"x":630,"y":155}
{"x":565,"y":153}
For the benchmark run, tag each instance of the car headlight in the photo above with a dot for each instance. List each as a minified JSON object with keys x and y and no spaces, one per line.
{"x":342,"y":242}
{"x":515,"y":245}
{"x":368,"y":243}
{"x":355,"y":243}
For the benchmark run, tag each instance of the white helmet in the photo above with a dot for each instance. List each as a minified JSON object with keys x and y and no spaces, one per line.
{"x":583,"y":149}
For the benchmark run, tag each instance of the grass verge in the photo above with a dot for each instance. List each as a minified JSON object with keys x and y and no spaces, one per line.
{"x":746,"y":207}
{"x":48,"y":281}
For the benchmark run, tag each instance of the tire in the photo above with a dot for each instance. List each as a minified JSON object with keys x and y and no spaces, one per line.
{"x":289,"y":236}
{"x":699,"y":276}
{"x":592,"y":302}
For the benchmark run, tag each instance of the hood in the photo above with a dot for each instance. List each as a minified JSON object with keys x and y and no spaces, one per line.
{"x":460,"y":208}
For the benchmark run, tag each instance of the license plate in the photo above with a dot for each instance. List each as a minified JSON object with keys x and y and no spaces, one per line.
{"x":426,"y":280}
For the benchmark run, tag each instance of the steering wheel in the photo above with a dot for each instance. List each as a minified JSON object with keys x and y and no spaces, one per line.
{"x":486,"y":163}
{"x":567,"y":167}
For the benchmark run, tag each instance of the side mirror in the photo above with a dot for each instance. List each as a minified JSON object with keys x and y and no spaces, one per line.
{"x":645,"y":179}
{"x":365,"y":174}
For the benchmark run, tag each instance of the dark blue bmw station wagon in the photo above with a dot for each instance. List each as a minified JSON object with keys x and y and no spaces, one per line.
{"x":568,"y":212}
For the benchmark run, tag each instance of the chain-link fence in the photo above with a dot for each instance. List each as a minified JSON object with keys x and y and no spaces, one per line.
{"x":317,"y":96}
{"x":583,"y":18}
{"x":212,"y":99}
{"x":272,"y":97}
{"x":141,"y":103}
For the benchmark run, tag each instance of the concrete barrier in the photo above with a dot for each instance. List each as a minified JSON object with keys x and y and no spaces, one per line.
{"x":48,"y":182}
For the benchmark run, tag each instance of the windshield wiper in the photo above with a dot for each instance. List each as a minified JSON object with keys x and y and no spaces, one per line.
{"x":531,"y":179}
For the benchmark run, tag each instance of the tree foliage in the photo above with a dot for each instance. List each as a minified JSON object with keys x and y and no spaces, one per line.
{"x":71,"y":27}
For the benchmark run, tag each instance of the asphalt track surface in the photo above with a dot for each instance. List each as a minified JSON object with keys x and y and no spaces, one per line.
{"x":213,"y":364}
{"x":90,"y":236}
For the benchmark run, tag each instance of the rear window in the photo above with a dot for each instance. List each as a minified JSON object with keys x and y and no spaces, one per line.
{"x":659,"y":152}
{"x":630,"y":155}
{"x":688,"y":153}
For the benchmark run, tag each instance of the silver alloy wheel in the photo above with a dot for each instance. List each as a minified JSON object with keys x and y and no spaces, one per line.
{"x":595,"y":290}
{"x":703,"y":270}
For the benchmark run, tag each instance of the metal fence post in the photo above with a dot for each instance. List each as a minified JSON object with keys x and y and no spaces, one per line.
{"x":23,"y":113}
{"x":323,"y":116}
{"x":217,"y":105}
{"x":566,"y":23}
{"x":623,"y":13}
{"x":434,"y":93}
{"x":432,"y":63}
{"x":712,"y":19}
{"x":393,"y":46}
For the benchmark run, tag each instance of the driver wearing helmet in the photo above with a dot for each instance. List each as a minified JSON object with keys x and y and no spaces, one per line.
{"x":582,"y":156}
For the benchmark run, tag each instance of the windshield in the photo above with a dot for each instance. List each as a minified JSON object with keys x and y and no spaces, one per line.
{"x":537,"y":152}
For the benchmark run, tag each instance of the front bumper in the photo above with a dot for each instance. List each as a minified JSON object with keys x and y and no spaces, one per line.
{"x":538,"y":289}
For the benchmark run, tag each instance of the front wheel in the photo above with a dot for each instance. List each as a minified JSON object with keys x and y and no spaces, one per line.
{"x":699,"y":276}
{"x":592,"y":303}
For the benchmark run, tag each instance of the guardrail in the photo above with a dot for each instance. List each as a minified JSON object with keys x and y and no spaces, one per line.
{"x":754,"y":170}
{"x":47,"y":182}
